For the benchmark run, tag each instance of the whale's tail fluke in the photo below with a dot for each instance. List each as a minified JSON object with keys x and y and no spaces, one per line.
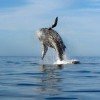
{"x":55,"y":23}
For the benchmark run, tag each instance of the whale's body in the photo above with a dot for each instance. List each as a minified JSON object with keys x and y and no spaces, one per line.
{"x":50,"y":38}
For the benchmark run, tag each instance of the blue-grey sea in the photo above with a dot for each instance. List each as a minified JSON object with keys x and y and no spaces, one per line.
{"x":24,"y":78}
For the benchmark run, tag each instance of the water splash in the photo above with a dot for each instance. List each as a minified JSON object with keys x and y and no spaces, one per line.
{"x":51,"y":58}
{"x":72,"y":61}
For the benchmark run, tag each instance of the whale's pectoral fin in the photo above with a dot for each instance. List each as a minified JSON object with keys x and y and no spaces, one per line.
{"x":44,"y":50}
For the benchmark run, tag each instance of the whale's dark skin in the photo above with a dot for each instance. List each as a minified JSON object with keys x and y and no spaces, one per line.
{"x":50,"y":38}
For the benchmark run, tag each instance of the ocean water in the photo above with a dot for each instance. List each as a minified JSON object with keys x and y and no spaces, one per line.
{"x":24,"y":78}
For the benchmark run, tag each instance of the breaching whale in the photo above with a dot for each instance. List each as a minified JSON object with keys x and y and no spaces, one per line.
{"x":50,"y":38}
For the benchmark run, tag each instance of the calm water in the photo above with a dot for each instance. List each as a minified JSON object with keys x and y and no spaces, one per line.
{"x":23,"y":78}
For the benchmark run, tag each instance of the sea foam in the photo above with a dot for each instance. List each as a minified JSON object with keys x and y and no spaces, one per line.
{"x":72,"y":61}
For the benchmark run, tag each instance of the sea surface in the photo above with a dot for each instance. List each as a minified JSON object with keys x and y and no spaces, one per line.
{"x":24,"y":78}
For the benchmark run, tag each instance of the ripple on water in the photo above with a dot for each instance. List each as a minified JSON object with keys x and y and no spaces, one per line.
{"x":85,"y":90}
{"x":14,"y":94}
{"x":61,"y":98}
{"x":12,"y":62}
{"x":28,"y":84}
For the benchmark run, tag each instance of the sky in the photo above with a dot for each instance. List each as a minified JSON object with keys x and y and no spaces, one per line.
{"x":78,"y":25}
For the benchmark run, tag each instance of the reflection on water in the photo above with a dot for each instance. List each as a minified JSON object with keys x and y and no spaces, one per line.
{"x":51,"y":79}
{"x":23,"y":78}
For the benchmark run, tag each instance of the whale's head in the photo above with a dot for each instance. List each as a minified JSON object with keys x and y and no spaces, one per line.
{"x":40,"y":34}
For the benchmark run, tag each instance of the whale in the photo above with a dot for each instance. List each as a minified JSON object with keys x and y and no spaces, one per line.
{"x":50,"y":38}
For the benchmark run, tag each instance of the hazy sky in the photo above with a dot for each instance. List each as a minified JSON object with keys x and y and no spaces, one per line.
{"x":79,"y":25}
